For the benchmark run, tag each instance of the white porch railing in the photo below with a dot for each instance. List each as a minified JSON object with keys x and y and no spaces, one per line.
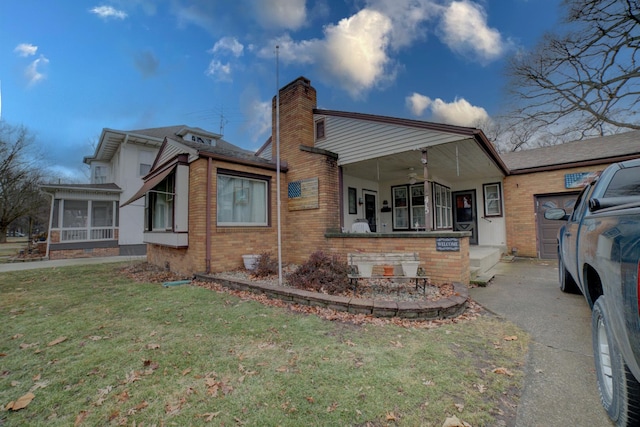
{"x":83,"y":234}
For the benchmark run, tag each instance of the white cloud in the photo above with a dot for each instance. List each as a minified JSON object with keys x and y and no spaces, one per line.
{"x":459,"y":112}
{"x":219,"y":71}
{"x":353,"y":53}
{"x":26,"y":49}
{"x":355,"y":50}
{"x":280,"y":14}
{"x":33,"y":72}
{"x":465,"y":30}
{"x":407,"y":18}
{"x":107,"y":12}
{"x":230,"y":44}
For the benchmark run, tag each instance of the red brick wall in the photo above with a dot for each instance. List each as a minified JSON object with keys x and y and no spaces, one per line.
{"x":520,"y":210}
{"x":81,"y":253}
{"x":228,"y":244}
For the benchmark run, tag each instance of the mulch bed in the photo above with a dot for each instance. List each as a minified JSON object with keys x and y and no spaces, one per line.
{"x":145,"y":272}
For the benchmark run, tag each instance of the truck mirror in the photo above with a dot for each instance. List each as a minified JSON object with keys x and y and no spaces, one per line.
{"x":556,"y":214}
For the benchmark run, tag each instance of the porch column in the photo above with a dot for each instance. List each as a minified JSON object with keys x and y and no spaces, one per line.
{"x":428,"y":226}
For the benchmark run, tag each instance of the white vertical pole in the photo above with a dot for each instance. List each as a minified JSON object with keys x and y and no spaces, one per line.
{"x":278,"y":163}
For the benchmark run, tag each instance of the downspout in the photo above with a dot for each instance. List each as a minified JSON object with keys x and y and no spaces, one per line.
{"x":207,"y":259}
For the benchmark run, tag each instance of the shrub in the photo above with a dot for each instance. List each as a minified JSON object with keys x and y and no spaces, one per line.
{"x":266,"y":265}
{"x":321,"y":273}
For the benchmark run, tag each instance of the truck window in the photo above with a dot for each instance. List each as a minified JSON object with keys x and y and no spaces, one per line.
{"x":624,"y":183}
{"x":581,"y":203}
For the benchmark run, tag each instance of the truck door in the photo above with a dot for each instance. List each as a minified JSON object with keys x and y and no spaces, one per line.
{"x":569,"y":240}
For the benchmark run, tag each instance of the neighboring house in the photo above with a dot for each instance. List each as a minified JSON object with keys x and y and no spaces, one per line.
{"x":552,"y":177}
{"x":88,"y":220}
{"x":340,"y":171}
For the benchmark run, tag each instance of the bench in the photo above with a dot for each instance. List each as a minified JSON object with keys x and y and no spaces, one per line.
{"x":397,"y":265}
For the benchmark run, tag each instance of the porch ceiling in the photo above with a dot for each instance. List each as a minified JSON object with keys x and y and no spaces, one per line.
{"x":452,"y":162}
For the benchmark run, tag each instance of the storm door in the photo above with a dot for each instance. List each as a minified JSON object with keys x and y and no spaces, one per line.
{"x":370,"y":209}
{"x":465,"y":216}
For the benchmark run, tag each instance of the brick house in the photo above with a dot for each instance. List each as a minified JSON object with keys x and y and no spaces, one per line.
{"x":409,"y":183}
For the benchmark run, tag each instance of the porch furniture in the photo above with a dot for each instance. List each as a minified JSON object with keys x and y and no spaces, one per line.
{"x":405,"y":266}
{"x":360,"y":227}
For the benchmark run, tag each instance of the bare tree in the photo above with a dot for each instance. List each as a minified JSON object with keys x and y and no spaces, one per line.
{"x":20,"y":175}
{"x":585,"y":81}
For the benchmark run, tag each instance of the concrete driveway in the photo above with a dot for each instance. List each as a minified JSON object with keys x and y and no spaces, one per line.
{"x":560,"y":382}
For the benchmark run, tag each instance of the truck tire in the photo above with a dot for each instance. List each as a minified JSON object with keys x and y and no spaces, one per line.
{"x":619,"y":390}
{"x":567,"y":284}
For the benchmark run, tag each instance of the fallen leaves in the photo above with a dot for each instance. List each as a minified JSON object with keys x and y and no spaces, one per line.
{"x":21,"y":403}
{"x":57,"y":341}
{"x":502,"y":371}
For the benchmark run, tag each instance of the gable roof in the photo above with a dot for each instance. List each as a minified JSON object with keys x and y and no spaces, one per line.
{"x":605,"y":149}
{"x":110,"y":139}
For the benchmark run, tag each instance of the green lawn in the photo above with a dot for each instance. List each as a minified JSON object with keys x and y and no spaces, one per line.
{"x":96,"y":348}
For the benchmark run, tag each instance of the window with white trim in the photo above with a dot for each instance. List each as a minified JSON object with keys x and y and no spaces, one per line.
{"x":159,"y":205}
{"x":100,"y":174}
{"x":442,"y":206}
{"x":145,"y":161}
{"x":242,"y":201}
{"x":492,"y":199}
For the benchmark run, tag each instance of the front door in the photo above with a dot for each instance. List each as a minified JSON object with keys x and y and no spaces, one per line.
{"x":465,"y":214}
{"x":370,"y":209}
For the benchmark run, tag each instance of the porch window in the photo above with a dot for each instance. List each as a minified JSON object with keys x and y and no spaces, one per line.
{"x":442,"y":205}
{"x":80,"y":220}
{"x":400,"y":208}
{"x":417,"y":206}
{"x":492,"y":199}
{"x":242,"y":201}
{"x":159,"y":205}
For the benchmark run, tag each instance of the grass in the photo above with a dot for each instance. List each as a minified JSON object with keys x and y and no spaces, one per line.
{"x":140,"y":354}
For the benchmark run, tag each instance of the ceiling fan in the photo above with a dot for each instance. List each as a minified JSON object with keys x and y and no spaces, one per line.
{"x":414,"y":177}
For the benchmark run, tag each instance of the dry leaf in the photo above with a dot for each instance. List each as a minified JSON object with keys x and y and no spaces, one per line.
{"x":459,"y":406}
{"x":209,"y":416}
{"x":481,"y":388}
{"x":333,"y":407}
{"x":80,"y":418}
{"x":455,"y":422}
{"x":310,"y":399}
{"x":57,"y":341}
{"x":21,"y":403}
{"x":16,"y":336}
{"x":3,"y":354}
{"x":502,"y":371}
{"x":15,"y":383}
{"x":397,"y":344}
{"x":153,"y":346}
{"x":391,"y":416}
{"x":36,"y":377}
{"x":511,"y":338}
{"x":95,"y":338}
{"x":186,"y":372}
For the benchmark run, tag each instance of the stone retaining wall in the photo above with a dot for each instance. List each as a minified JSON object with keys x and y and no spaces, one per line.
{"x":419,"y":310}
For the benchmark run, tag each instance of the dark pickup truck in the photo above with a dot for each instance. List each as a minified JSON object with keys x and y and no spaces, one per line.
{"x":599,"y":256}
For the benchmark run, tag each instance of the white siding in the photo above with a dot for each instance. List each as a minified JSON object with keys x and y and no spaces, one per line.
{"x":357,"y":140}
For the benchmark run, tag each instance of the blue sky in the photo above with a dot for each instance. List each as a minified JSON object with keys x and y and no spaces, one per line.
{"x":69,"y":68}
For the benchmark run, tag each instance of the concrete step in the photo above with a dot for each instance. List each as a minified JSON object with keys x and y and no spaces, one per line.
{"x":483,"y":258}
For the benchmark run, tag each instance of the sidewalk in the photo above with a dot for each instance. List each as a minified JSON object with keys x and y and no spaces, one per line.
{"x":560,"y":383}
{"x":30,"y":265}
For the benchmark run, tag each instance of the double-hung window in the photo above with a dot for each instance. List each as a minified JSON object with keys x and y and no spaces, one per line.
{"x":242,"y":201}
{"x":160,"y":205}
{"x":442,"y":206}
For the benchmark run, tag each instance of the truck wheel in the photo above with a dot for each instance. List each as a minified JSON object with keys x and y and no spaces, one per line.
{"x":619,"y":390}
{"x":567,"y":284}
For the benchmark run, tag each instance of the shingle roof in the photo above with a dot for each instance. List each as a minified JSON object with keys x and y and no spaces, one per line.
{"x":605,"y":149}
{"x":229,"y":150}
